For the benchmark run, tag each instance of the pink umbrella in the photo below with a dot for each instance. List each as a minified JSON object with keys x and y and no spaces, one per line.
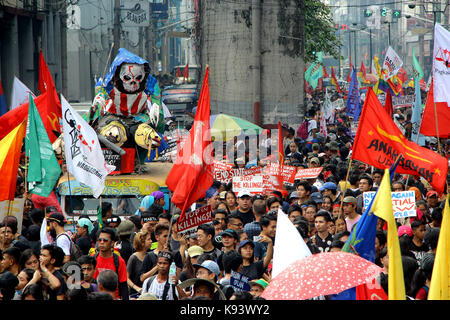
{"x":320,"y":274}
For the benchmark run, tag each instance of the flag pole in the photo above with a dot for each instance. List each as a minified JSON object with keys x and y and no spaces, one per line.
{"x":345,"y":188}
{"x":437,"y":127}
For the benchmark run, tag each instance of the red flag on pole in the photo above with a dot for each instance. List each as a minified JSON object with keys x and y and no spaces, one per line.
{"x":379,"y":142}
{"x":428,"y":124}
{"x":334,"y":80}
{"x":186,"y":72}
{"x":192,"y":173}
{"x":388,"y":104}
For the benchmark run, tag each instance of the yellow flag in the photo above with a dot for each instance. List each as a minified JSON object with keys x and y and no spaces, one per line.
{"x":382,"y":207}
{"x":439,"y":280}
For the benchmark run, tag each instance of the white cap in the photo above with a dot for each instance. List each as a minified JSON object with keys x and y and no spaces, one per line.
{"x":243,"y":193}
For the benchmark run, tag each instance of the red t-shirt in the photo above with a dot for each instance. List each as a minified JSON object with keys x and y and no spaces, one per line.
{"x":108,"y":263}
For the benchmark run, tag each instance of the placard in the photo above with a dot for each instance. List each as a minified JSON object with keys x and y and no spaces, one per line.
{"x":403,"y":203}
{"x":191,"y":220}
{"x":15,"y":209}
{"x":253,"y":184}
{"x":239,"y":282}
{"x":287,"y":172}
{"x":309,"y":173}
{"x":226,"y":176}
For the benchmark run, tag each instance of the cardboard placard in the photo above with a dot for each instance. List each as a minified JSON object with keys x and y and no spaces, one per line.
{"x":308,"y":173}
{"x":15,"y":209}
{"x":403,"y":203}
{"x":239,"y":282}
{"x":193,"y":219}
{"x":253,"y":183}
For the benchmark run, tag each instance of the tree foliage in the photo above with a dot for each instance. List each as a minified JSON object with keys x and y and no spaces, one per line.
{"x":317,"y":35}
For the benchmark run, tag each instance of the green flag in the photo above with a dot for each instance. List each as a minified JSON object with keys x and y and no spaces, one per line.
{"x":43,"y":168}
{"x":418,"y":73}
{"x":315,"y":71}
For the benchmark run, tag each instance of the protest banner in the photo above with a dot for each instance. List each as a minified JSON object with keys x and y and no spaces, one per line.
{"x":403,"y":203}
{"x":403,"y":101}
{"x":287,"y":172}
{"x":191,"y":220}
{"x":253,"y":183}
{"x":239,"y":282}
{"x":226,"y":176}
{"x":309,"y":173}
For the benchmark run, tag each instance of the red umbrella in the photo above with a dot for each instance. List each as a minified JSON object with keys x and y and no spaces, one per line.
{"x":320,"y":274}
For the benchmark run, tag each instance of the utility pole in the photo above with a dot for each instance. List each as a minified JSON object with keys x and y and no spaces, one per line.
{"x":256,"y":64}
{"x":116,"y":27}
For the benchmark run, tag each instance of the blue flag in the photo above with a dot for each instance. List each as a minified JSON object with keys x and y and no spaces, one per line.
{"x":362,"y":240}
{"x":3,"y":106}
{"x":353,"y":102}
{"x":417,"y":116}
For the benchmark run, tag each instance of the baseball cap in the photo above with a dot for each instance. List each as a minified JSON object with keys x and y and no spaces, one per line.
{"x":257,"y":197}
{"x":126,"y":227}
{"x":210,"y":266}
{"x":195,"y":251}
{"x":350,"y":199}
{"x":316,"y":197}
{"x":244,"y":242}
{"x":57,"y":217}
{"x":293,"y":195}
{"x":328,"y":185}
{"x":244,"y":193}
{"x":315,"y":160}
{"x":211,"y":192}
{"x":230,"y":233}
{"x":260,"y":282}
{"x":432,"y":193}
{"x":405,"y":230}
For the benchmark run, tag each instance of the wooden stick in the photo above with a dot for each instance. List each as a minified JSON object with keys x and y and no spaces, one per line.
{"x":343,"y":192}
{"x":437,"y":127}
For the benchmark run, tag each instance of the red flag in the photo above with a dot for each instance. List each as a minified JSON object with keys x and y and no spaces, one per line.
{"x":334,"y":80}
{"x":186,"y":71}
{"x":428,"y":125}
{"x":10,"y":147}
{"x":379,"y":142}
{"x":179,"y":72}
{"x":325,"y":73}
{"x":192,"y":173}
{"x":388,"y":104}
{"x":363,"y":70}
{"x":45,"y":76}
{"x":349,"y":75}
{"x":370,"y":291}
{"x":402,"y":75}
{"x":48,"y":105}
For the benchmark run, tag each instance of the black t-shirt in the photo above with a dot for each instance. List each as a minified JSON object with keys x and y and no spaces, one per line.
{"x":247,"y":217}
{"x":254,"y":270}
{"x":53,"y":294}
{"x":84,"y":243}
{"x":418,"y":251}
{"x":125,"y":249}
{"x":321,"y":245}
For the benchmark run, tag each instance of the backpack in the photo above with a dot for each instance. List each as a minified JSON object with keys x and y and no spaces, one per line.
{"x":167,"y":286}
{"x":302,"y":132}
{"x":75,"y":250}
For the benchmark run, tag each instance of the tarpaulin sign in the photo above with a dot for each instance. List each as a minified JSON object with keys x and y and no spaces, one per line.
{"x":191,"y":220}
{"x":403,"y":203}
{"x":309,"y":173}
{"x":287,"y":172}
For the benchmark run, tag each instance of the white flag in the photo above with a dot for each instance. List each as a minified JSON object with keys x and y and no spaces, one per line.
{"x":392,"y":64}
{"x":84,"y":156}
{"x":20,"y":93}
{"x":289,"y":245}
{"x":441,"y":65}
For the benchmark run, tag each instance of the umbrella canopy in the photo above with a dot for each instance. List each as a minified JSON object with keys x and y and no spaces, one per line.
{"x":320,"y":274}
{"x":228,"y":127}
